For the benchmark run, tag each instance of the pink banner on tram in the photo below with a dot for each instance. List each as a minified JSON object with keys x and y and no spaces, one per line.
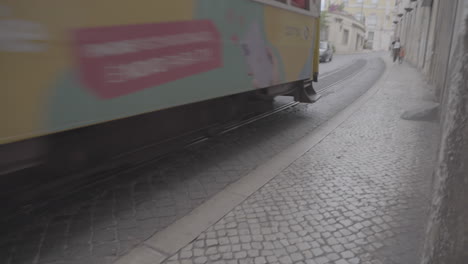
{"x":119,"y":60}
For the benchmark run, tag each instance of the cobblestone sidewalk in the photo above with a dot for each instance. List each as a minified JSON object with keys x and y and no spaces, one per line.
{"x":359,"y":196}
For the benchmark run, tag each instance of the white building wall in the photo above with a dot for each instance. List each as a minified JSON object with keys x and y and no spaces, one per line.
{"x":377,"y":16}
{"x":337,"y":25}
{"x":426,"y":31}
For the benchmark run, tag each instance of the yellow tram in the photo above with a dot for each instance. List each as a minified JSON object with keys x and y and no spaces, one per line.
{"x":78,"y":63}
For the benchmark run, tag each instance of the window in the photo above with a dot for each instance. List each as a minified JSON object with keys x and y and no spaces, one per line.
{"x":324,"y":33}
{"x":370,"y":35}
{"x":358,"y":16}
{"x":375,"y":2}
{"x":323,"y":45}
{"x":306,"y":7}
{"x":345,"y":37}
{"x":359,"y":1}
{"x":372,"y":20}
{"x":304,"y":4}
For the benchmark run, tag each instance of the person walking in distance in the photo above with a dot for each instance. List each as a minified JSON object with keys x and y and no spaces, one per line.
{"x":396,"y":49}
{"x":402,"y":54}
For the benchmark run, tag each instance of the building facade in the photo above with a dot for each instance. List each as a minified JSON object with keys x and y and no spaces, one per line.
{"x":377,"y":15}
{"x":344,"y":32}
{"x":435,"y":35}
{"x":425,"y":28}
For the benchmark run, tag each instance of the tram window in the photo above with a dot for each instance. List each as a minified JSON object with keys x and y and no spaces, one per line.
{"x":306,"y":7}
{"x":304,"y":4}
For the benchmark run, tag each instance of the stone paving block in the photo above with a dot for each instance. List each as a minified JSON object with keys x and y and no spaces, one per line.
{"x":322,"y":260}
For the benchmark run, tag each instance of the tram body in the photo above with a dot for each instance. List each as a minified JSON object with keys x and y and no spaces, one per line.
{"x":77,"y":63}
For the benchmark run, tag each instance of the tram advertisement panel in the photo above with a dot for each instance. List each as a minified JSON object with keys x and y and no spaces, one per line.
{"x":119,"y":60}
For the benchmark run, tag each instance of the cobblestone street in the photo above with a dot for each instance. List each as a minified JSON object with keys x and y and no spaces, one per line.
{"x":359,"y":196}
